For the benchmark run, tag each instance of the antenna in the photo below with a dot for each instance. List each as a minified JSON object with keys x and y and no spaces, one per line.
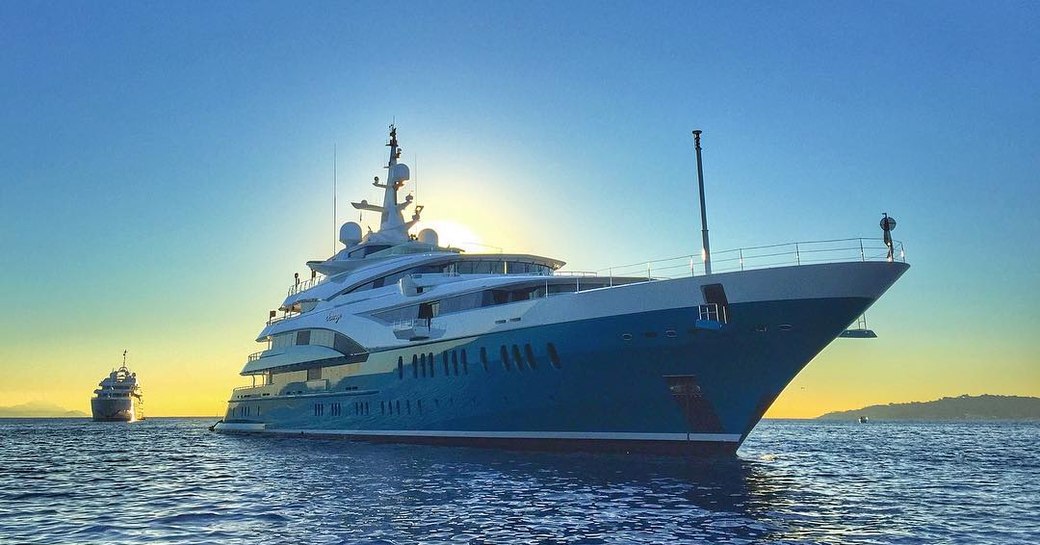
{"x":704,"y":216}
{"x":334,"y":187}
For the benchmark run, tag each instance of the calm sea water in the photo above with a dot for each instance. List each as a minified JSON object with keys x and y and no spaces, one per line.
{"x":172,"y":481}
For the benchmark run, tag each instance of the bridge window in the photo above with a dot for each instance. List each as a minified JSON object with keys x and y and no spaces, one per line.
{"x":347,"y":346}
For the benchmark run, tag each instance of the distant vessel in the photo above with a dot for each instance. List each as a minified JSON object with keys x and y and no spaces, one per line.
{"x":863,"y":420}
{"x":118,"y":398}
{"x":396,"y":338}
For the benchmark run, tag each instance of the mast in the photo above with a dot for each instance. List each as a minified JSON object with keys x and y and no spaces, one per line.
{"x":335,"y":220}
{"x":706,"y":248}
{"x":393,"y":228}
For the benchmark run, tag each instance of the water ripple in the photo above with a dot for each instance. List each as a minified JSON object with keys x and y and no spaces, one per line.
{"x":170,"y":481}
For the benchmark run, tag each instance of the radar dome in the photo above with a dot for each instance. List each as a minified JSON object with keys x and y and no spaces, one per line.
{"x":400,"y":173}
{"x":350,"y":234}
{"x":429,"y":236}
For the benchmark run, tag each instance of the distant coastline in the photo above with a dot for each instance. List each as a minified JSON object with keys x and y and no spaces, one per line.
{"x":39,"y":409}
{"x":966,"y":408}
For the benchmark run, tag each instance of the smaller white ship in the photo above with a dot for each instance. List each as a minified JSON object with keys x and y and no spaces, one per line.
{"x":118,"y":399}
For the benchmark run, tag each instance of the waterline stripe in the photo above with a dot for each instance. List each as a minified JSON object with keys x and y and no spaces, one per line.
{"x":624,"y":436}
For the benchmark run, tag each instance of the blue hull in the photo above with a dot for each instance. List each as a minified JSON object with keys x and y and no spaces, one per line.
{"x":651,"y":381}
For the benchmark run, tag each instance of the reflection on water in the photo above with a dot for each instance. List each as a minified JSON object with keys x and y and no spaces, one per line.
{"x":171,"y":481}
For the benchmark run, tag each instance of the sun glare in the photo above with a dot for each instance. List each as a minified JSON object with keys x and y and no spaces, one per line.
{"x":456,"y":235}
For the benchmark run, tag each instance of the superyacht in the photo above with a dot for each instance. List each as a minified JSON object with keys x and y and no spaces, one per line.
{"x":398,"y":338}
{"x":118,"y":397}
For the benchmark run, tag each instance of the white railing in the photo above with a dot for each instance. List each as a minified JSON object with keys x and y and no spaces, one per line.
{"x":306,"y":285}
{"x":410,"y":323}
{"x":576,"y":273}
{"x":764,"y":257}
{"x":712,"y":312}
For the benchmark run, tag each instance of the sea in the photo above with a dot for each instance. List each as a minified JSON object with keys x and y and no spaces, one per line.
{"x":172,"y":481}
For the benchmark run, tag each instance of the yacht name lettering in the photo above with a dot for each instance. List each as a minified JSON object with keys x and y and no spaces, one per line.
{"x":333,"y":318}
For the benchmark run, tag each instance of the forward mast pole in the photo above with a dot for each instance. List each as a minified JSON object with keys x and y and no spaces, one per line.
{"x":706,"y":248}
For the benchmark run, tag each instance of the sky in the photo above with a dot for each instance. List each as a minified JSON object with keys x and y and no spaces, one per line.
{"x":165,"y":167}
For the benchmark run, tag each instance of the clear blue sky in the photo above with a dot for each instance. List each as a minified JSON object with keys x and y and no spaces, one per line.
{"x":166,"y":166}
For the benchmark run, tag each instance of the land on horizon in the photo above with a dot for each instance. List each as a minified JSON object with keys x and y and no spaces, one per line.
{"x":965,"y":407}
{"x":39,"y":409}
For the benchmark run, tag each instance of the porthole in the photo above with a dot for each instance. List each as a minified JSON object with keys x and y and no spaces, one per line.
{"x":626,"y":336}
{"x":531,"y":362}
{"x":518,"y":358}
{"x":554,"y":357}
{"x":785,"y":327}
{"x":503,"y":353}
{"x":670,"y":333}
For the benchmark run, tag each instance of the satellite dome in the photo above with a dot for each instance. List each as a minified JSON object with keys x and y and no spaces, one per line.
{"x":350,"y":234}
{"x":429,"y":236}
{"x":399,"y":173}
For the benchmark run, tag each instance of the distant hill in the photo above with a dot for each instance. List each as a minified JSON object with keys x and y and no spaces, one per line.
{"x":965,"y":407}
{"x":37,"y":409}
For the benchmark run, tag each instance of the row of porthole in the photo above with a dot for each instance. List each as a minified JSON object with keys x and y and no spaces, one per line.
{"x":394,"y":407}
{"x":671,"y":333}
{"x":781,"y":327}
{"x":424,"y":365}
{"x":362,"y":408}
{"x":336,"y":409}
{"x":242,"y":411}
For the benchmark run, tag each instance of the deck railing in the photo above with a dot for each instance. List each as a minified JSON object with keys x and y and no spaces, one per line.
{"x":306,"y":284}
{"x":761,"y":257}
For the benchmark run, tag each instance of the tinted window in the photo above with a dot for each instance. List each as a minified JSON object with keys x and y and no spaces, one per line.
{"x":554,"y":358}
{"x":517,"y":358}
{"x":303,"y":337}
{"x":504,"y":354}
{"x":345,"y":345}
{"x":530,"y":356}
